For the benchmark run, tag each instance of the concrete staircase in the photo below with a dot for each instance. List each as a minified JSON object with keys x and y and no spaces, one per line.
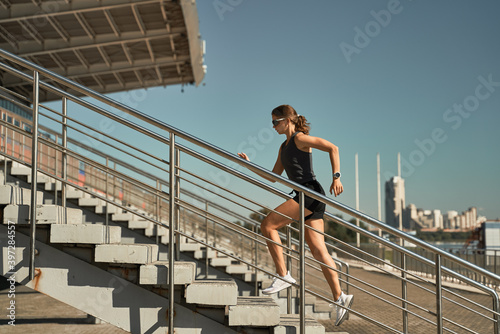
{"x":90,"y":266}
{"x":242,"y":273}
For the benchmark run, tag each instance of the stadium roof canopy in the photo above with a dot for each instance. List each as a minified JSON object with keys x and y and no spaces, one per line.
{"x":106,"y":45}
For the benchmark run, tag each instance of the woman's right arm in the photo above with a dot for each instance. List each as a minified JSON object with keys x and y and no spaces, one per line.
{"x":277,"y":169}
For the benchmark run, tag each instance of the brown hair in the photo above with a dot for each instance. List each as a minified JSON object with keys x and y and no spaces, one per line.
{"x":286,"y":111}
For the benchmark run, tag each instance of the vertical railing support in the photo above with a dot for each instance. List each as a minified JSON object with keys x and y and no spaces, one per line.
{"x":256,"y":262}
{"x":302,"y":295}
{"x":207,"y":233}
{"x":107,"y":206}
{"x":34,"y":164}
{"x":404,"y":293}
{"x":496,"y":308}
{"x":289,"y":266}
{"x":439,"y":296}
{"x":64,"y":162}
{"x":158,"y":211}
{"x":177,"y":208}
{"x":171,"y":246}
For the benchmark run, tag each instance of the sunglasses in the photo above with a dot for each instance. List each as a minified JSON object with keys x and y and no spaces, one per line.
{"x":277,"y":121}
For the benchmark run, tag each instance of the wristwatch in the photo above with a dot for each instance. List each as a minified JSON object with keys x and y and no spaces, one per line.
{"x":336,"y":175}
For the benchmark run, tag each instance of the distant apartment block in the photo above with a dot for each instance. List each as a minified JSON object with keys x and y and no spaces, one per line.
{"x":413,"y":218}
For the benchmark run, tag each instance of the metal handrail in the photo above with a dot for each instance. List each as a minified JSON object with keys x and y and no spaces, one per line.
{"x":89,"y":192}
{"x":231,"y":157}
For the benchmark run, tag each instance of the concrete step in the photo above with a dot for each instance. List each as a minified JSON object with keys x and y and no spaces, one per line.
{"x":73,"y":193}
{"x":85,"y":234}
{"x":126,"y":253}
{"x":238,"y":269}
{"x":221,"y":261}
{"x":53,"y":185}
{"x":123,"y":216}
{"x":251,"y":277}
{"x":16,"y":195}
{"x":290,"y":323}
{"x":140,"y":224}
{"x":89,"y":201}
{"x":105,"y":207}
{"x":254,"y":311}
{"x":45,"y":214}
{"x":219,"y":292}
{"x":40,"y":178}
{"x":19,"y":169}
{"x":189,"y":247}
{"x":204,"y":253}
{"x":156,"y":273}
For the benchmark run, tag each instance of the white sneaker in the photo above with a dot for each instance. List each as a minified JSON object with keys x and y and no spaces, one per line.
{"x":346,"y":301}
{"x":279,"y":284}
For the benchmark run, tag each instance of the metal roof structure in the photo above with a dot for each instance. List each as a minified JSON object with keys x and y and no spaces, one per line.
{"x":106,"y":45}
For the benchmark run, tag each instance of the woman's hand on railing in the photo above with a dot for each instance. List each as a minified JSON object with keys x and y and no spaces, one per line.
{"x":244,"y":156}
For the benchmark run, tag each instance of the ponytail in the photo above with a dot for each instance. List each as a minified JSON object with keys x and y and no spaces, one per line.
{"x":287,"y":111}
{"x":302,"y":125}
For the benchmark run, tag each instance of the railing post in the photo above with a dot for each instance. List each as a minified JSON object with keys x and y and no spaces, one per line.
{"x":289,"y":266}
{"x":439,"y":296}
{"x":404,"y":293}
{"x":256,"y":262}
{"x":107,"y":207}
{"x":34,"y":164}
{"x":171,"y":246}
{"x":177,"y":208}
{"x":302,"y":295}
{"x":64,"y":162}
{"x":158,"y":211}
{"x":496,"y":308}
{"x":206,"y":238}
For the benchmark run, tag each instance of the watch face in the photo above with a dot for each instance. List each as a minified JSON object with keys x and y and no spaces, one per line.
{"x":336,"y":175}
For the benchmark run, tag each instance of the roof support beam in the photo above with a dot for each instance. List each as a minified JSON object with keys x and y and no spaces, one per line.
{"x":58,"y":61}
{"x":112,"y":22}
{"x":85,"y":25}
{"x":82,"y":59}
{"x":31,"y":31}
{"x":9,"y":38}
{"x":104,"y":56}
{"x":138,"y":19}
{"x":58,"y":28}
{"x":126,"y":51}
{"x":5,"y":4}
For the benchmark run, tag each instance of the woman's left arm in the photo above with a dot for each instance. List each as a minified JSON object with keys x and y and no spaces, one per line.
{"x":304,"y":142}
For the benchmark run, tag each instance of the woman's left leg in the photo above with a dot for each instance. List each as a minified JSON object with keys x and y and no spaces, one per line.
{"x":316,"y":242}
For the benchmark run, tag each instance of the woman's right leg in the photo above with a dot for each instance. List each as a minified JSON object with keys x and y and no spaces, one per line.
{"x":270,"y":226}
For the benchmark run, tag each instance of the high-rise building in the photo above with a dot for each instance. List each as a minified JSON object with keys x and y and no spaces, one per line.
{"x":413,"y":218}
{"x":394,"y":201}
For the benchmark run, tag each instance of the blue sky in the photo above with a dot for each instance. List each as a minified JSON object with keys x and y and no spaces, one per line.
{"x":417,"y":77}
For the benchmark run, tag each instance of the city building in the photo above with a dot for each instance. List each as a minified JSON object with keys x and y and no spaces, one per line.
{"x":394,"y":201}
{"x":411,"y":218}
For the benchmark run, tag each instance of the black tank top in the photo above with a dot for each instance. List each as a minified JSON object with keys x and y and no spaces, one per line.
{"x":297,"y":163}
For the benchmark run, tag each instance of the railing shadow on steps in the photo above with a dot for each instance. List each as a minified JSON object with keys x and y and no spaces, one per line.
{"x":142,"y":136}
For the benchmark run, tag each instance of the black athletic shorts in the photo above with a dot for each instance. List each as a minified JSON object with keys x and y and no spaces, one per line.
{"x":316,"y":207}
